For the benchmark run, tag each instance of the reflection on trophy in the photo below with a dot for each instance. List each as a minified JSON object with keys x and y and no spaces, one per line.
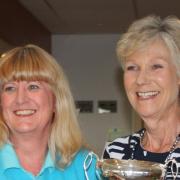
{"x":131,"y":169}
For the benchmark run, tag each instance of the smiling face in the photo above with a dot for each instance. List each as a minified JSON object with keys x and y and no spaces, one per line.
{"x":27,"y":106}
{"x":151,"y":82}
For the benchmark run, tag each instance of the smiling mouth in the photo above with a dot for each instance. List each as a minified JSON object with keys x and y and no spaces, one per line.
{"x":24,"y":112}
{"x":148,"y":94}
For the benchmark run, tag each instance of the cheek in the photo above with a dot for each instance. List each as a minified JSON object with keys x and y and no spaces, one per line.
{"x":128,"y":82}
{"x":168,"y":81}
{"x":5,"y":102}
{"x":6,"y":110}
{"x":47,"y":101}
{"x":170,"y":86}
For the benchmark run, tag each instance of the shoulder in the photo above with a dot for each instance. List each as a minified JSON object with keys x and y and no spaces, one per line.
{"x":122,"y":142}
{"x":84,"y":154}
{"x":85,"y":158}
{"x":117,"y":148}
{"x":84,"y":162}
{"x":120,"y":147}
{"x":126,"y":139}
{"x":176,"y":155}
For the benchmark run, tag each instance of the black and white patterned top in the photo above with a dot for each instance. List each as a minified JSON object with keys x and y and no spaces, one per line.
{"x":120,"y":148}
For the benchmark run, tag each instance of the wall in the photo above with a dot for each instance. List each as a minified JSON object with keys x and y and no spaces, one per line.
{"x":91,"y":66}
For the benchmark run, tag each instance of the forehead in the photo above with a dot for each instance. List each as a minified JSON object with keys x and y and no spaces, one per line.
{"x":27,"y":83}
{"x":155,"y":50}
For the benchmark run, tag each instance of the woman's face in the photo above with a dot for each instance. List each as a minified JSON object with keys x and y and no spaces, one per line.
{"x":27,"y":106}
{"x":151,"y":82}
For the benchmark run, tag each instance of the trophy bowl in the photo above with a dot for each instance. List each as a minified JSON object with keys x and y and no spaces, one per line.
{"x":131,"y":169}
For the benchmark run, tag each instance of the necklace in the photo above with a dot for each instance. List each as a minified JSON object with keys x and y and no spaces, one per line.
{"x":133,"y":144}
{"x":169,"y":162}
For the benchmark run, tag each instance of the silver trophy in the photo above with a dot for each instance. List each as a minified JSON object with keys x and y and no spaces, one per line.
{"x":131,"y":169}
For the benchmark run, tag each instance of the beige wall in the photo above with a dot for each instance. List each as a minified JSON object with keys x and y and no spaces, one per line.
{"x":93,"y":71}
{"x":137,"y":123}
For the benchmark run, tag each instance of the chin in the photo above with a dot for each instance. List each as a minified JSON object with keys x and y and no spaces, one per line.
{"x":24,"y":129}
{"x":146,"y":114}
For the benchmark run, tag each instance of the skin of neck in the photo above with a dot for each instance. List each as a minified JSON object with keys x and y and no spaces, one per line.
{"x":161,"y":135}
{"x":31,"y":151}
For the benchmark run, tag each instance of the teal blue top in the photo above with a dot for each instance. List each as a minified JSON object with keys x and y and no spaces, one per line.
{"x":10,"y":168}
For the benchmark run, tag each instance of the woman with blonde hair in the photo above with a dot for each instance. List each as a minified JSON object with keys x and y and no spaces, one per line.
{"x":149,"y":53}
{"x":39,"y":133}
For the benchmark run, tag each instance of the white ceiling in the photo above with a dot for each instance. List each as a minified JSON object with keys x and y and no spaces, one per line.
{"x":96,"y":16}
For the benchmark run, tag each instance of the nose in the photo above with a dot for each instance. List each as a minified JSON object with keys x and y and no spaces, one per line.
{"x":21,"y":95}
{"x":143,"y":77}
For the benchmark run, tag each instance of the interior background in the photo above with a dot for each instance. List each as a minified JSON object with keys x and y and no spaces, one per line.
{"x":82,"y":35}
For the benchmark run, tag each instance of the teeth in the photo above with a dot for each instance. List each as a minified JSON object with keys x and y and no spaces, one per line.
{"x":25,"y":112}
{"x":147,"y":94}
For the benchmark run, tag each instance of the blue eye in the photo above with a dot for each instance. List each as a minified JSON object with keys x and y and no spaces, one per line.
{"x":131,"y":68}
{"x":9,"y":89}
{"x":33,"y":87}
{"x":157,"y":66}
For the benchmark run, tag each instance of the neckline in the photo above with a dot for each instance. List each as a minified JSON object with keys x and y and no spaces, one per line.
{"x":133,"y":146}
{"x":141,"y":154}
{"x":168,"y":161}
{"x":150,"y":152}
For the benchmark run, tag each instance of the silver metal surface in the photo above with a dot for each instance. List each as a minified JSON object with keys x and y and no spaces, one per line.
{"x":131,"y":169}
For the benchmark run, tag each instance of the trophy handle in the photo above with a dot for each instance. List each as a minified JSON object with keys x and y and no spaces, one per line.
{"x":87,"y":163}
{"x":173,"y":164}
